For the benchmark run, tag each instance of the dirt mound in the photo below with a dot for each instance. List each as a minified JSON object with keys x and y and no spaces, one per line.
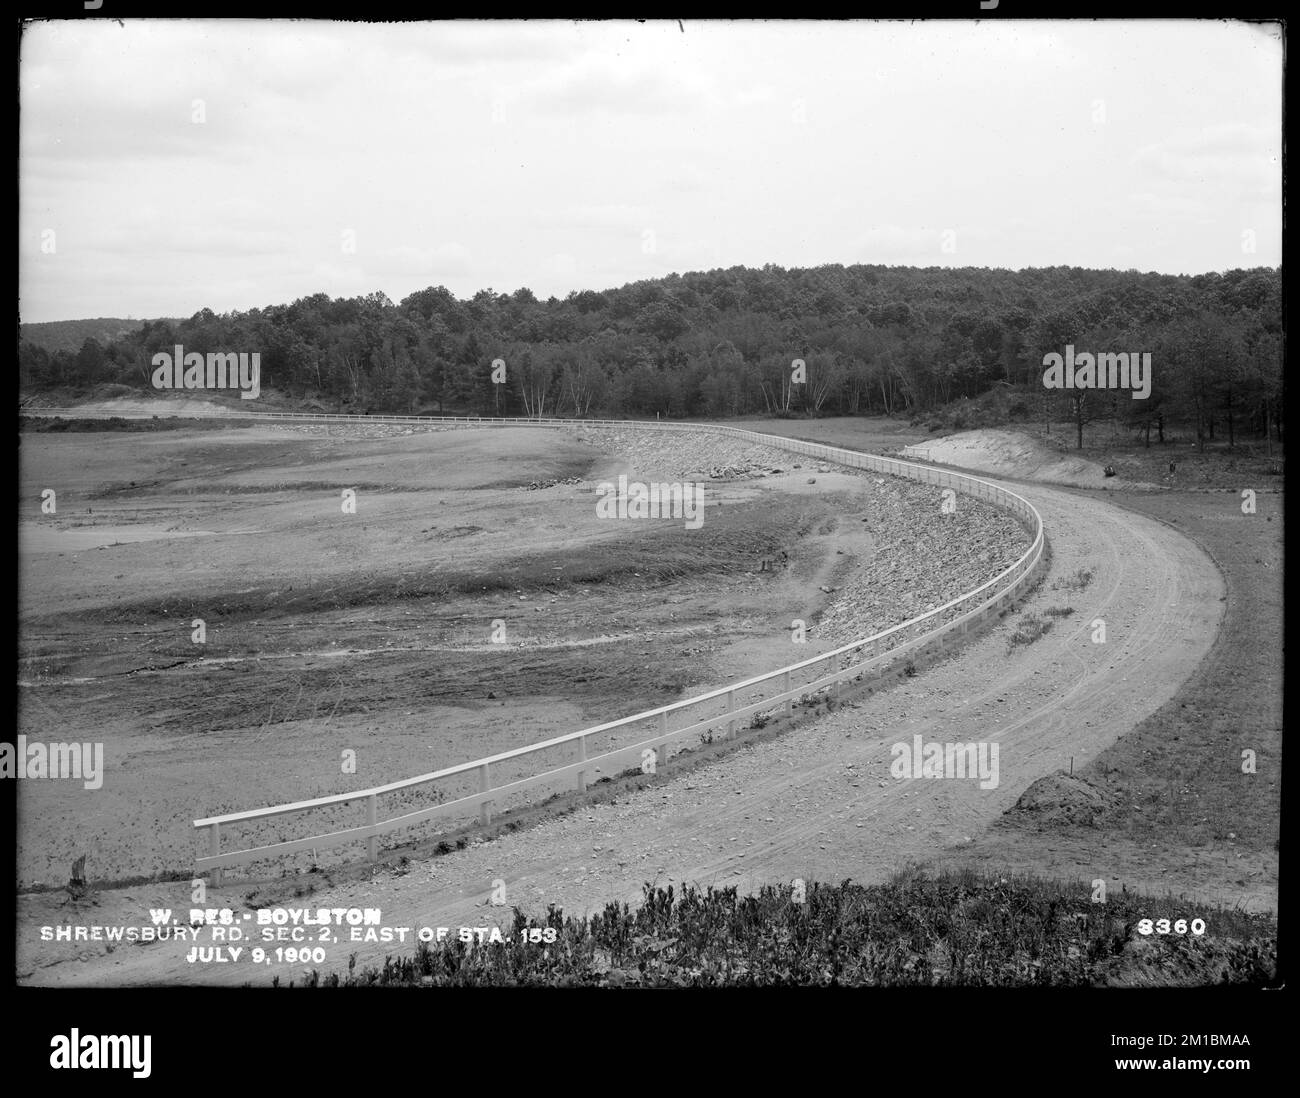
{"x":1063,"y":798}
{"x":1014,"y":454}
{"x":184,"y":407}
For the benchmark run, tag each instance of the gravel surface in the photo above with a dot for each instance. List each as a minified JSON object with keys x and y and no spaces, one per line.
{"x":923,"y":557}
{"x":687,"y":455}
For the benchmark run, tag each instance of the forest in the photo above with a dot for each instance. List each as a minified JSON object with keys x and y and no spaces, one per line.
{"x":899,"y":341}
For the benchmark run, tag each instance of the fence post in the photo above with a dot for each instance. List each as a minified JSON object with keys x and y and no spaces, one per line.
{"x":372,"y":818}
{"x":731,"y":705}
{"x":662,"y":753}
{"x":214,"y":848}
{"x":484,"y":784}
{"x":785,"y":689}
{"x":582,"y":757}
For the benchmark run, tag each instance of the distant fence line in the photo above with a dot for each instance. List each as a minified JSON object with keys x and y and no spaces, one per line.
{"x":827,"y":671}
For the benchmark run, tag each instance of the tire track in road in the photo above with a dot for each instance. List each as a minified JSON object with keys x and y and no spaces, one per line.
{"x":817,"y":802}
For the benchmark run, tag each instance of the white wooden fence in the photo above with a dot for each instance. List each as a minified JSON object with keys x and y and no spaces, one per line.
{"x":941,"y":628}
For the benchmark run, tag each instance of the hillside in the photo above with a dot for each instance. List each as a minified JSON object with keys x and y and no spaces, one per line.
{"x":829,"y":340}
{"x":69,"y":335}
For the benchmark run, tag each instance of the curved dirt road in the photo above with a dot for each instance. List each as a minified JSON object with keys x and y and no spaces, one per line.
{"x":818,"y":802}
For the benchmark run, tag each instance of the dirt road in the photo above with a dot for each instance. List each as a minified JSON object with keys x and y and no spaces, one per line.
{"x":817,"y":803}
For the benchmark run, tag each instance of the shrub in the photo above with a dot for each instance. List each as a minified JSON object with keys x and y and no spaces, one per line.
{"x":1076,"y":581}
{"x":952,"y":930}
{"x":1028,"y":630}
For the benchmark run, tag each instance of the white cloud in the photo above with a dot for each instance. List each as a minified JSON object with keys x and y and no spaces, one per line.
{"x":616,"y":85}
{"x":612,"y":216}
{"x":538,"y":154}
{"x":441,"y":261}
{"x":1245,"y":158}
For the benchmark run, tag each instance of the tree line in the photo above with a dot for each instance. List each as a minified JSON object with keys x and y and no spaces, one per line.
{"x":721,"y":343}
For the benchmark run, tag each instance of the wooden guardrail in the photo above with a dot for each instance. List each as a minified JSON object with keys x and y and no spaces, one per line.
{"x":942,"y":627}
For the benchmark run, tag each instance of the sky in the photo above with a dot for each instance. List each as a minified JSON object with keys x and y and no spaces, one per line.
{"x":171,"y":165}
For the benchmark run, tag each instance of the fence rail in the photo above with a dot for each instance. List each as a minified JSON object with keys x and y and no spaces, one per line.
{"x":945,"y":626}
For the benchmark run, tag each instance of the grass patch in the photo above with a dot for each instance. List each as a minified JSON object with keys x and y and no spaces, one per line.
{"x":1076,"y":581}
{"x":1028,"y":629}
{"x":58,"y":425}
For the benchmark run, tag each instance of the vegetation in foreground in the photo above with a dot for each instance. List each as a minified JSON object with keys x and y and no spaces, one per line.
{"x":952,"y":930}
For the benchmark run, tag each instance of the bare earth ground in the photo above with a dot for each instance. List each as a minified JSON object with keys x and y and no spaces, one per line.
{"x":370,"y":633}
{"x":818,"y":802}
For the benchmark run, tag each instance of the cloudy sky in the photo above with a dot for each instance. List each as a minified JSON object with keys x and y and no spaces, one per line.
{"x":171,"y":165}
